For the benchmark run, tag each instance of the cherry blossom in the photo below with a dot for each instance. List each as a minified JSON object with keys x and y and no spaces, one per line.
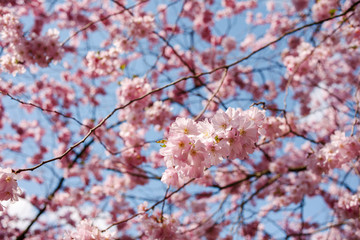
{"x":179,"y":119}
{"x":9,"y":189}
{"x":231,"y":134}
{"x":86,"y":230}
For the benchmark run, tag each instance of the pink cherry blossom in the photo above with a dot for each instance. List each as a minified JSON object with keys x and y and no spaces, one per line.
{"x":85,"y":230}
{"x":179,"y":119}
{"x":9,"y":189}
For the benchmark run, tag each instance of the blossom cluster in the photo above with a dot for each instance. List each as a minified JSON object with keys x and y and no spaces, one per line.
{"x":37,"y":49}
{"x":348,"y":206}
{"x":341,"y":150}
{"x":86,"y":230}
{"x":232,"y":7}
{"x":108,"y":62}
{"x":324,"y":9}
{"x":131,"y":89}
{"x":9,"y":189}
{"x":141,"y":27}
{"x":193,"y":146}
{"x":83,"y":134}
{"x":158,"y":114}
{"x":158,"y":226}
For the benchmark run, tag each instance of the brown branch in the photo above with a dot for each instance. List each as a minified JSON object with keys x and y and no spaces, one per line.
{"x":208,"y":218}
{"x":42,"y":109}
{"x":248,"y":177}
{"x":134,"y":174}
{"x":257,"y":175}
{"x":268,"y":183}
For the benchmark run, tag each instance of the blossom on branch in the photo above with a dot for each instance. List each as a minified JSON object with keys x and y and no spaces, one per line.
{"x":9,"y":189}
{"x":193,"y":147}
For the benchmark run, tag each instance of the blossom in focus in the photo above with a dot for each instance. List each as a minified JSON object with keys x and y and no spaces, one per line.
{"x":9,"y":189}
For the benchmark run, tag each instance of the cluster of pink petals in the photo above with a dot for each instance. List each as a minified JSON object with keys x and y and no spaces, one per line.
{"x":36,"y":49}
{"x":104,"y":63}
{"x":348,"y":206}
{"x":193,"y":146}
{"x":124,"y":45}
{"x":9,"y":189}
{"x":85,"y":230}
{"x":233,"y":7}
{"x":341,"y":150}
{"x":297,"y":59}
{"x":109,"y":62}
{"x":10,"y":28}
{"x":159,"y":226}
{"x":41,"y":49}
{"x":275,"y":127}
{"x":323,"y":9}
{"x":141,"y":26}
{"x":131,"y":89}
{"x":158,"y":114}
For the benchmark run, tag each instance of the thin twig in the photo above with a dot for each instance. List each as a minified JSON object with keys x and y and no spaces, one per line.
{"x":42,"y":109}
{"x":213,"y":95}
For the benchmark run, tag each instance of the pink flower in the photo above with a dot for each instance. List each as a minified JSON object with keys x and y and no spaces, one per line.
{"x":124,"y":45}
{"x":323,"y":9}
{"x":197,"y":153}
{"x":160,"y":227}
{"x":86,"y":231}
{"x":234,"y":144}
{"x":9,"y":189}
{"x":158,"y":114}
{"x":141,"y":27}
{"x":192,"y":147}
{"x":206,"y":129}
{"x":221,"y":121}
{"x":215,"y":153}
{"x":178,"y":147}
{"x":348,"y":205}
{"x":171,"y":178}
{"x":184,"y":126}
{"x":257,"y":115}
